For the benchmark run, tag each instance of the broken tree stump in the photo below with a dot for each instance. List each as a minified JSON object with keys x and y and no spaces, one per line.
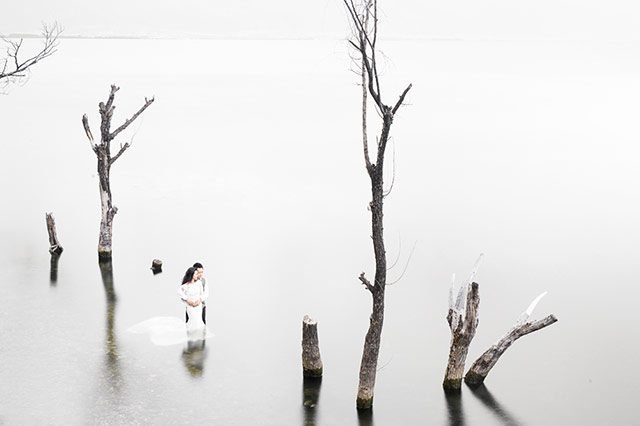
{"x":54,"y":244}
{"x":463,"y":321}
{"x":483,"y":365}
{"x":311,"y":362}
{"x":156,"y":266}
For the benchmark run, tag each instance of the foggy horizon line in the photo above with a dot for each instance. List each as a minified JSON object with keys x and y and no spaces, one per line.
{"x":256,"y":37}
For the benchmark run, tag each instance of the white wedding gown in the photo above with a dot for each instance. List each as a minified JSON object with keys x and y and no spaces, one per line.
{"x":166,"y":331}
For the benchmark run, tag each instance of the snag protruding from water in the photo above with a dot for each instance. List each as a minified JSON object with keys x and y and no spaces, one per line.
{"x":363,"y":17}
{"x":156,"y":266}
{"x":483,"y":365}
{"x":105,"y":161}
{"x":311,"y":361}
{"x":55,"y":248}
{"x":463,"y":321}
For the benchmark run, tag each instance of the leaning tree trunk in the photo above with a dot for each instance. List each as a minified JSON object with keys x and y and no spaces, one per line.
{"x":483,"y":365}
{"x":105,"y":161}
{"x":463,"y":321}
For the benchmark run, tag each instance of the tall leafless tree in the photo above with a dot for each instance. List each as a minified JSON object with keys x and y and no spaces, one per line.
{"x":15,"y":66}
{"x":105,"y":161}
{"x":364,"y":25}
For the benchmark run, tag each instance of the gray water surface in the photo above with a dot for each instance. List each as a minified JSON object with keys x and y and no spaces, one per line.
{"x":250,"y":162}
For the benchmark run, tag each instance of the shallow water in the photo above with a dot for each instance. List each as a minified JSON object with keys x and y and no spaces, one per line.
{"x":250,"y":162}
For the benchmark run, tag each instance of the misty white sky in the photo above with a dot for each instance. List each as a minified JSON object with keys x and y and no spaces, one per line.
{"x":469,"y":19}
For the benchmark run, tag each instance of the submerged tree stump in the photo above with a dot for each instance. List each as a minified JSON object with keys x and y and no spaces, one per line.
{"x":463,"y":321}
{"x":483,"y":365}
{"x":54,"y":244}
{"x":156,"y":266}
{"x":311,"y":362}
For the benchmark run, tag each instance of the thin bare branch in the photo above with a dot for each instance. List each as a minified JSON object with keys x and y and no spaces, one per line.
{"x":366,"y":282}
{"x":126,"y":124}
{"x":87,"y":131}
{"x":395,"y":108}
{"x":393,"y":176}
{"x":123,"y":148}
{"x":405,"y":266}
{"x":50,"y":35}
{"x":399,"y":252}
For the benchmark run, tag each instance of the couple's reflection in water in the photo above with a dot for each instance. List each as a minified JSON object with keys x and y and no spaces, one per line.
{"x":456,"y":410}
{"x":194,"y":354}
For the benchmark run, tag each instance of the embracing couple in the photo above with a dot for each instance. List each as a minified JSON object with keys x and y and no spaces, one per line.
{"x":194,"y":292}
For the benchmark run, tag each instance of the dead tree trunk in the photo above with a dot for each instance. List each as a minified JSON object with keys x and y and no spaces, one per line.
{"x":483,"y":365}
{"x":311,"y":361}
{"x":105,"y":161}
{"x":364,"y":43}
{"x":463,"y":321}
{"x":54,"y":244}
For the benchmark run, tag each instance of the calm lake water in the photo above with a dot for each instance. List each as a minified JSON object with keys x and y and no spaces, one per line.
{"x":250,"y":162}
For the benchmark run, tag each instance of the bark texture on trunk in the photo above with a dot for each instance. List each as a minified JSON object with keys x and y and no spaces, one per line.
{"x":108,"y":210}
{"x":54,"y":244}
{"x":105,"y":161}
{"x":311,"y":361}
{"x":483,"y":365}
{"x":463,"y":321}
{"x":371,"y":350}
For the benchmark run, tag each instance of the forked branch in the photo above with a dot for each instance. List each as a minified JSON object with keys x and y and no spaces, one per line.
{"x":16,"y":66}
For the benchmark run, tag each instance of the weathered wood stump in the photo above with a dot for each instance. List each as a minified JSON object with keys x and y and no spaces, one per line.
{"x":463,"y":321}
{"x":311,"y":362}
{"x":54,"y":244}
{"x":156,"y":266}
{"x":483,"y":365}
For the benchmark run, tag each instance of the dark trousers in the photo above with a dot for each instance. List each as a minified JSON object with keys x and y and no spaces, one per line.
{"x":204,"y":315}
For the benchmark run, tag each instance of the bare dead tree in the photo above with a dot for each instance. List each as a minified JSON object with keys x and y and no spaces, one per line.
{"x":105,"y":161}
{"x":15,"y":66}
{"x":363,"y":17}
{"x":483,"y":365}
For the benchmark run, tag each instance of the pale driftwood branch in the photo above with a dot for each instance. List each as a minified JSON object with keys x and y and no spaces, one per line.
{"x":483,"y":365}
{"x":311,"y":361}
{"x":147,"y":102}
{"x":463,"y":326}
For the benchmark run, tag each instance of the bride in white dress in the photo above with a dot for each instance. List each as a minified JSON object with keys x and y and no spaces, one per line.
{"x":171,"y":330}
{"x":192,"y":293}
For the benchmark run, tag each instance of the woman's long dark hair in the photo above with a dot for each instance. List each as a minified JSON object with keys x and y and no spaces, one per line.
{"x":188,"y":276}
